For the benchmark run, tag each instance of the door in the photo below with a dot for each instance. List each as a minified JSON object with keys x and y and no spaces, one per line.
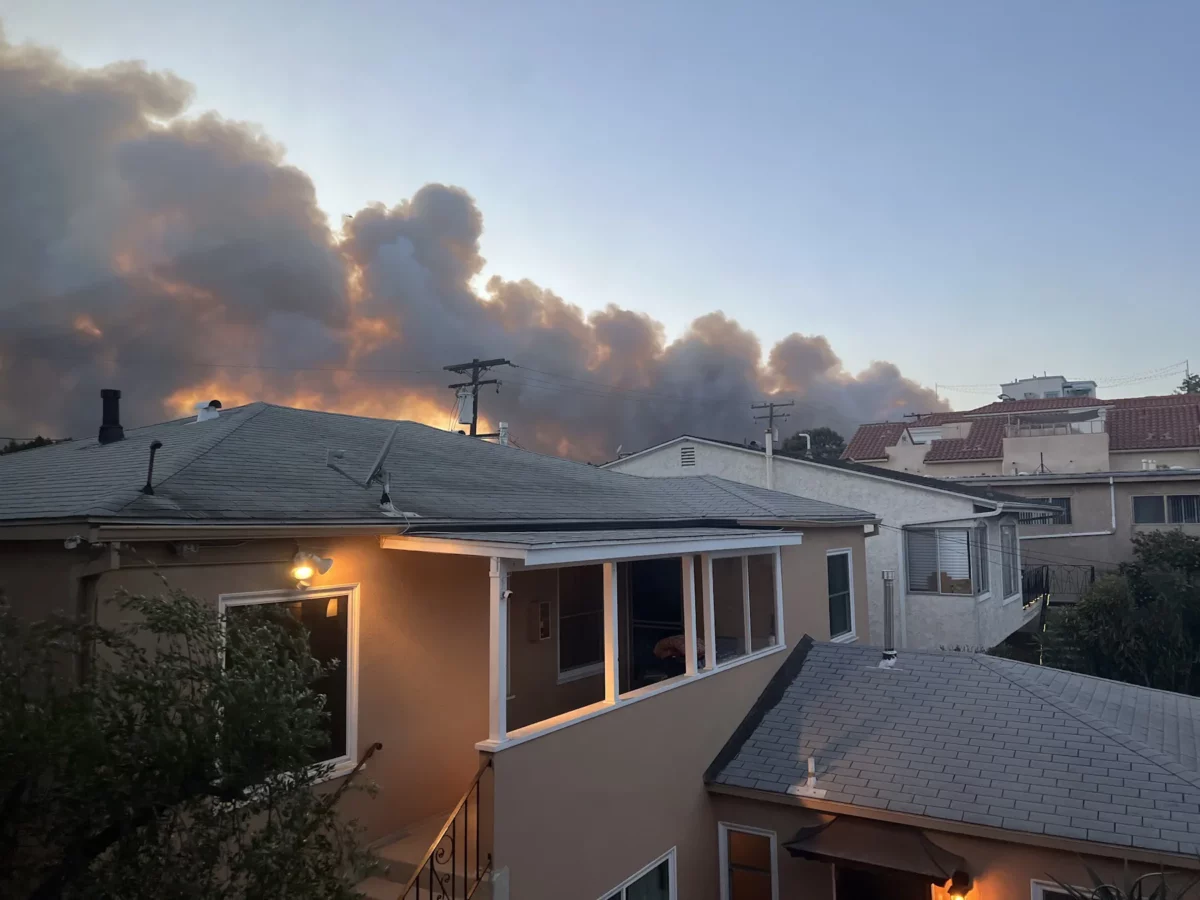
{"x":879,"y":884}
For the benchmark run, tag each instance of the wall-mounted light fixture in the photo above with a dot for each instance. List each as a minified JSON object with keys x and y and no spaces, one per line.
{"x":305,"y":565}
{"x":959,"y":886}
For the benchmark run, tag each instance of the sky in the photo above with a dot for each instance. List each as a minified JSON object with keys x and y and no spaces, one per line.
{"x":971,"y":190}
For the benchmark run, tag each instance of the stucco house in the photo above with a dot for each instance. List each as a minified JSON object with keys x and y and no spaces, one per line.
{"x":954,"y":547}
{"x":551,"y":651}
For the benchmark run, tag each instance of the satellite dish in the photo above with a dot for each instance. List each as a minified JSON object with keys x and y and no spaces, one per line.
{"x":375,"y":473}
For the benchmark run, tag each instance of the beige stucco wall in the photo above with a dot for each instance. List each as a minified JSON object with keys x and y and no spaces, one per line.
{"x":999,"y":870}
{"x":581,"y":809}
{"x":1131,"y":461}
{"x":422,"y":658}
{"x":1059,"y":453}
{"x":38,"y":578}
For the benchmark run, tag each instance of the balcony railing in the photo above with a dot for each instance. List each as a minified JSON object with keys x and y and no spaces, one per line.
{"x":1039,"y":429}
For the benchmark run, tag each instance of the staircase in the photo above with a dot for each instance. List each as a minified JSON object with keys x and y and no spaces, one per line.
{"x":438,"y":858}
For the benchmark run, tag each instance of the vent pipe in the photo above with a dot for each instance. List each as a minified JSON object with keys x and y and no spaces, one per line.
{"x":889,"y":619}
{"x":503,"y":436}
{"x":148,"y":488}
{"x":206,"y":411}
{"x":110,"y":421}
{"x":770,"y":461}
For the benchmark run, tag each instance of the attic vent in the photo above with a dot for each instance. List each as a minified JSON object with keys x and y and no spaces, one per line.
{"x":687,"y":456}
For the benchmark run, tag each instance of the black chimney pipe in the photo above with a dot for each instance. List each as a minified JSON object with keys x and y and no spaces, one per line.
{"x":110,"y":423}
{"x":149,"y":487}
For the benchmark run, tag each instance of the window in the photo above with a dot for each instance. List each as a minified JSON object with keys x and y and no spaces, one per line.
{"x":939,"y":561}
{"x":1183,"y":509}
{"x":1176,"y":509}
{"x":580,"y":622}
{"x":655,"y":882}
{"x":330,"y":617}
{"x":745,"y":612}
{"x":1045,"y":891}
{"x":1010,"y":555}
{"x":980,"y":558}
{"x":1062,"y":517}
{"x":687,"y":456}
{"x":749,"y":863}
{"x":841,"y":594}
{"x":1149,"y":511}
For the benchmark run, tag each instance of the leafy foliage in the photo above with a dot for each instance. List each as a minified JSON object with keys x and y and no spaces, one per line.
{"x":14,"y":446}
{"x":177,"y":766}
{"x":1140,"y":626}
{"x":1160,"y":885}
{"x":1189,"y":385}
{"x":827,"y":445}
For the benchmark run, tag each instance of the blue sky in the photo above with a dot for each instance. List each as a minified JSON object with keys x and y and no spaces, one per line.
{"x":973,"y":190}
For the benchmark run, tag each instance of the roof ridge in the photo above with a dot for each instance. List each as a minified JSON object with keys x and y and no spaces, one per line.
{"x":262,"y":407}
{"x":730,"y":487}
{"x":1099,"y":725}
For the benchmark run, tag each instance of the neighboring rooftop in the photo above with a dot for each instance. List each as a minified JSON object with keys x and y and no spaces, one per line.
{"x":1132,"y":423}
{"x":972,"y":738}
{"x":266,"y":463}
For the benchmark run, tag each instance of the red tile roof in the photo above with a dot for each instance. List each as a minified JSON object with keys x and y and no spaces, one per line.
{"x":1134,"y":423}
{"x":1154,"y":427}
{"x":985,"y":440}
{"x":872,"y":441}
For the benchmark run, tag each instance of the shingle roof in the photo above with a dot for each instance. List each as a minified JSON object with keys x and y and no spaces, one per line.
{"x":267,"y":463}
{"x":970,"y":738}
{"x":872,"y":441}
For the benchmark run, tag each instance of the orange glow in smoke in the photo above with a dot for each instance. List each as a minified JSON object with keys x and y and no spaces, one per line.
{"x":84,"y":324}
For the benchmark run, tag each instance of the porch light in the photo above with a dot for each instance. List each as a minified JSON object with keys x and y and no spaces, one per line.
{"x":960,"y":885}
{"x":305,"y":565}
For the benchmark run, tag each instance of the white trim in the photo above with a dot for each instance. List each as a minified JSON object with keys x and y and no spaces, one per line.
{"x":749,"y":640}
{"x":344,"y":764}
{"x":1038,"y":888}
{"x":780,"y":635}
{"x":498,"y":646}
{"x":612,"y":631}
{"x":723,"y":829}
{"x":710,"y":617}
{"x":584,"y":713}
{"x":566,"y":676}
{"x":852,"y":634}
{"x":690,"y":654}
{"x":669,"y":857}
{"x":592,"y":551}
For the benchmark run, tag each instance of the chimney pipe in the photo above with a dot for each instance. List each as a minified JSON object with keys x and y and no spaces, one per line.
{"x":110,"y":422}
{"x":889,"y":620}
{"x":770,"y":461}
{"x":503,"y":436}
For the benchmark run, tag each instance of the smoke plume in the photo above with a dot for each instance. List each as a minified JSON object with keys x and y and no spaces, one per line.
{"x":180,"y":258}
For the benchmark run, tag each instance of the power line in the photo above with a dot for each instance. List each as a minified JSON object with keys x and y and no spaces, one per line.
{"x":476,"y":367}
{"x":770,"y":406}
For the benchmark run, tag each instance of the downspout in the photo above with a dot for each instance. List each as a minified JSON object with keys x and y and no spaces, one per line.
{"x":1112,"y":529}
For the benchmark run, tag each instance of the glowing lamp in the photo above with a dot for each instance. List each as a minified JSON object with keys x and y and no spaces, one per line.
{"x":306,"y":565}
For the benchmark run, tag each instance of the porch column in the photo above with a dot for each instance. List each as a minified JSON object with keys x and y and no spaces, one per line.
{"x":710,"y":620}
{"x":778,"y":564}
{"x":498,"y":651}
{"x":612,"y":653}
{"x":689,"y":614}
{"x":745,"y":561}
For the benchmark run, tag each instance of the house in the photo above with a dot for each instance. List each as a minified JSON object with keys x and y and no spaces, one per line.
{"x":1057,"y":435}
{"x":954,"y":546}
{"x":975,"y":776}
{"x":551,"y":654}
{"x":1098,"y":513}
{"x":1047,"y":386}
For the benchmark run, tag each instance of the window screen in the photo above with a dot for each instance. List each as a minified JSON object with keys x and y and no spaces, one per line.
{"x":980,"y":559}
{"x":922,"y":561}
{"x":1011,"y":558}
{"x":1149,"y":510}
{"x":840,"y":619}
{"x":580,"y":617}
{"x":1184,"y":509}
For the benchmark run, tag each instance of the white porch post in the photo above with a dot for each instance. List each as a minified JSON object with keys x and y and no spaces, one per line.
{"x":498,"y":651}
{"x":710,"y":621}
{"x":612,"y":655}
{"x":779,"y":636}
{"x":745,"y":560}
{"x":689,"y":614}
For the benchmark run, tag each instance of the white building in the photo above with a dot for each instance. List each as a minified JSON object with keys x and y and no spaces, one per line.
{"x":1046,"y":387}
{"x":954,"y":548}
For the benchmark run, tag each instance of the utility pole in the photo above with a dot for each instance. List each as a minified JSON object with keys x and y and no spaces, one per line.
{"x":476,"y":367}
{"x":771,"y":415}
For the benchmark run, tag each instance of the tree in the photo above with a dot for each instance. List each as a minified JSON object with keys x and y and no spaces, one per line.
{"x":827,"y":444}
{"x":14,"y":445}
{"x":178,"y":764}
{"x":1140,"y":625}
{"x":1189,"y":385}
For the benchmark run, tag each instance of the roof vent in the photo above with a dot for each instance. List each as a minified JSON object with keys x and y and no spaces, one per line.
{"x":207,"y":410}
{"x":687,"y":456}
{"x":110,"y":421}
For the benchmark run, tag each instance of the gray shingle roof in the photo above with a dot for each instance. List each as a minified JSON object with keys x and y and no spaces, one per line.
{"x":966,"y":737}
{"x":268,"y":463}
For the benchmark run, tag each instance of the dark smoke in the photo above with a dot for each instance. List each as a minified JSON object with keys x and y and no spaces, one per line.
{"x":137,"y":245}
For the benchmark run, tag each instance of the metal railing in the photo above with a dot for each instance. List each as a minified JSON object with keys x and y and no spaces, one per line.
{"x":445,"y":871}
{"x":1032,"y":429}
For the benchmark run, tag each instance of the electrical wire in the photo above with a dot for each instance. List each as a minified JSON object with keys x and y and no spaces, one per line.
{"x":1021,"y":552}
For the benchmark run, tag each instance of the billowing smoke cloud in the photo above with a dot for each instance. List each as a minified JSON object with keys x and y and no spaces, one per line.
{"x":140,"y":247}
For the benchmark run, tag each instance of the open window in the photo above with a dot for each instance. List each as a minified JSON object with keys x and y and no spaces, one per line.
{"x":329,"y":619}
{"x":650,"y":613}
{"x":745,"y":605}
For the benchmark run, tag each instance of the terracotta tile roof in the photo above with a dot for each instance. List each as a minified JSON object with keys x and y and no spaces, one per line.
{"x":872,"y":441}
{"x":1154,"y":427}
{"x":1165,"y":400}
{"x":1041,"y":405}
{"x":985,"y":441}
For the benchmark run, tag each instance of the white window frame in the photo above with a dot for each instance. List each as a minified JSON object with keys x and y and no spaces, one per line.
{"x":344,"y":764}
{"x":966,"y":531}
{"x":850,"y":636}
{"x":1038,"y":888}
{"x":723,"y":829}
{"x":1010,"y":560}
{"x":672,"y":869}
{"x":710,"y":611}
{"x":565,"y":676}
